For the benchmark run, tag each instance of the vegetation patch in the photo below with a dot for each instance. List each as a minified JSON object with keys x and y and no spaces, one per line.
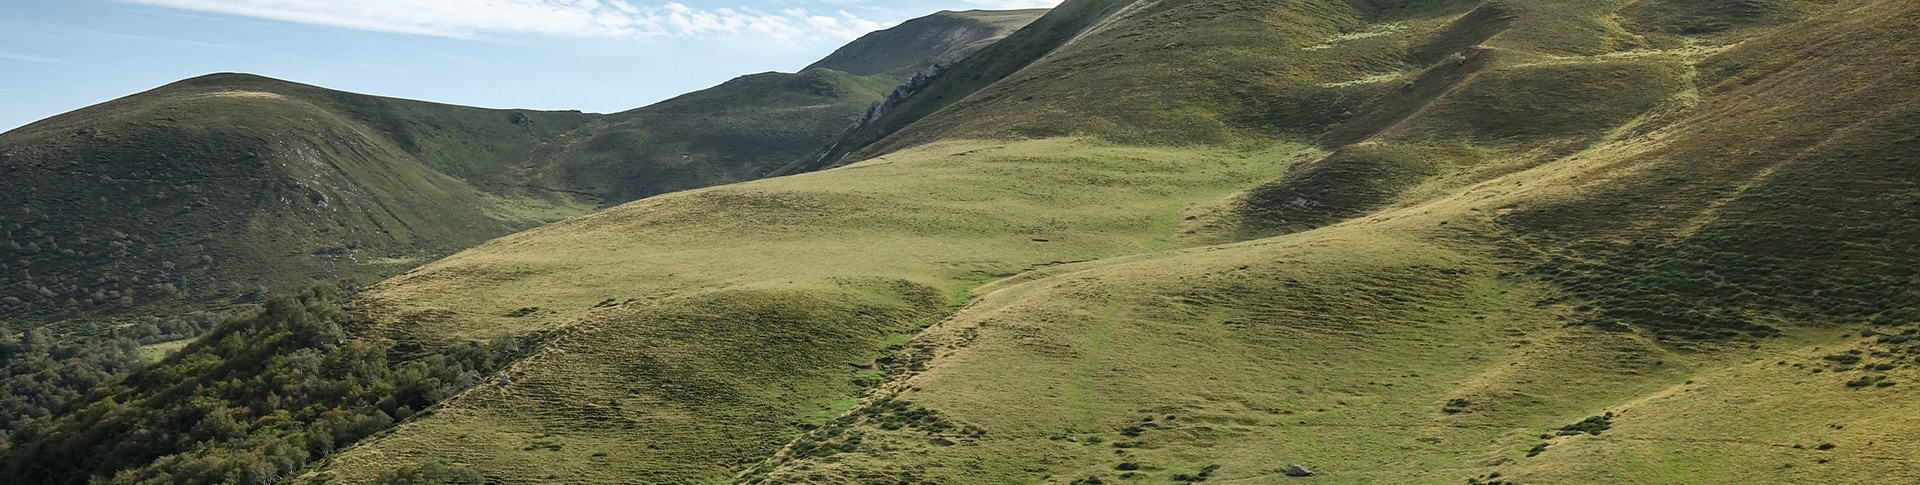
{"x":1592,"y":425}
{"x":1205,"y":473}
{"x":435,"y":473}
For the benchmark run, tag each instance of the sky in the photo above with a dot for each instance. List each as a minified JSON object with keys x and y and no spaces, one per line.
{"x":590,"y":55}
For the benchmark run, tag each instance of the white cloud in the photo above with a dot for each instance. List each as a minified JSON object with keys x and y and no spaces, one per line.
{"x":579,"y":18}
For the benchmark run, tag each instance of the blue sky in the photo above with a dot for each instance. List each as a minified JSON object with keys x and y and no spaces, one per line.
{"x":590,"y":55}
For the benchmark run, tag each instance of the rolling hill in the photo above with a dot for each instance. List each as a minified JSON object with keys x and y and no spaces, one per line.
{"x":1513,"y":242}
{"x":223,"y":188}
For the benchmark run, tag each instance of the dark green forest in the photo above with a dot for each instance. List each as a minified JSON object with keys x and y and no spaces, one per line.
{"x":260,"y":397}
{"x":42,"y":372}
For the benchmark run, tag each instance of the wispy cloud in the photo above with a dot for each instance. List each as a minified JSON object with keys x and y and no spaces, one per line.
{"x":578,"y":18}
{"x":28,"y":58}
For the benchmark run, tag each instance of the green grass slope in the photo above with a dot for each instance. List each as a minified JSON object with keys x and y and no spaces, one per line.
{"x":1463,"y":271}
{"x":1719,"y":299}
{"x":680,"y":367}
{"x":1519,"y":241}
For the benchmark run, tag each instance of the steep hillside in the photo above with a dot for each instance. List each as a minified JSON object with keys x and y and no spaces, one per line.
{"x":1517,"y":241}
{"x":222,"y":188}
{"x":931,"y":93}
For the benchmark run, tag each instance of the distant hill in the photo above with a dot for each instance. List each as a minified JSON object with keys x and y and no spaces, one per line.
{"x":750,"y":126}
{"x":225,"y":187}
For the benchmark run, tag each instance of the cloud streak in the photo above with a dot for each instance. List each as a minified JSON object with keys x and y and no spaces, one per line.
{"x":28,"y":58}
{"x":574,"y":18}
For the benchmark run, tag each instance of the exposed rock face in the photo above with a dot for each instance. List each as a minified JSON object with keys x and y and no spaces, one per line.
{"x":913,"y":86}
{"x":906,"y":90}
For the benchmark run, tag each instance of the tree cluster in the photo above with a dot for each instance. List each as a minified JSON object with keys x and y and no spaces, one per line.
{"x":42,"y":373}
{"x":257,"y":399}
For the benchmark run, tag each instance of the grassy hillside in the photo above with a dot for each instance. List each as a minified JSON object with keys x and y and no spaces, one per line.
{"x":1686,"y":302}
{"x":1414,"y":321}
{"x":707,"y":364}
{"x":1525,"y":241}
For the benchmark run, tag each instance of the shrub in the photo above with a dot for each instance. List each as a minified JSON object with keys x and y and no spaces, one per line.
{"x":1592,"y":425}
{"x":1843,"y":359}
{"x":1866,"y":381}
{"x":1204,"y":474}
{"x":436,"y":473}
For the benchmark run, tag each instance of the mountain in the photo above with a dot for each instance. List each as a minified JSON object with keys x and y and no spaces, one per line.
{"x":750,"y":126}
{"x":1514,"y":241}
{"x":226,"y":187}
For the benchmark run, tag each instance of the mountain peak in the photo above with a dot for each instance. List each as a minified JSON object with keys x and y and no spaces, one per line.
{"x":939,"y":38}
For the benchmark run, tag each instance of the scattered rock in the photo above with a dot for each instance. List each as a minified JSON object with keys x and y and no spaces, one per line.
{"x":1299,"y":471}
